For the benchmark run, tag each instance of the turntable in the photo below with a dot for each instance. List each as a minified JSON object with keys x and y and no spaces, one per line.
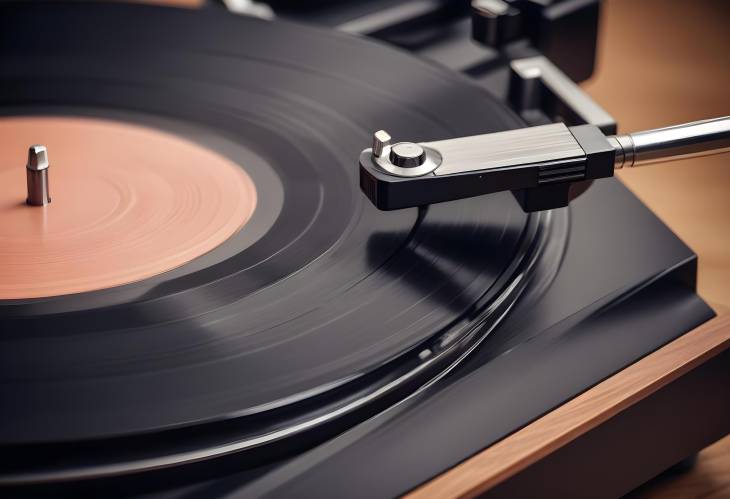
{"x":203,"y":291}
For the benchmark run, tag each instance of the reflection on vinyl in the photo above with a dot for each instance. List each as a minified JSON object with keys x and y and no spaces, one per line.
{"x":293,"y":309}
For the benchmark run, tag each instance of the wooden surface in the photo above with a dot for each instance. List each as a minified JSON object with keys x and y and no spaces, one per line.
{"x":581,"y":414}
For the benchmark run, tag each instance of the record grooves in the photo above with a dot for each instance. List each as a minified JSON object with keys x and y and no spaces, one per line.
{"x":328,"y":312}
{"x":360,"y":399}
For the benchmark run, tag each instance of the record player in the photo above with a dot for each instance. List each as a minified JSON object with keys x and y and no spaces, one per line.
{"x":336,"y":249}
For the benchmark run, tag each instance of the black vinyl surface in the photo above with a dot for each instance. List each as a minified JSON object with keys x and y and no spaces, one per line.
{"x":335,"y":300}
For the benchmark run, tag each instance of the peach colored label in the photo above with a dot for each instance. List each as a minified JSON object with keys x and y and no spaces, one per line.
{"x":128,"y":202}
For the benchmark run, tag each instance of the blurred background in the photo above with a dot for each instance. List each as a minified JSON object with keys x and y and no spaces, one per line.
{"x":662,"y":62}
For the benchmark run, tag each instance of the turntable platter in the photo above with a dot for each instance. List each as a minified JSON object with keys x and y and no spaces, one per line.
{"x":332,"y":312}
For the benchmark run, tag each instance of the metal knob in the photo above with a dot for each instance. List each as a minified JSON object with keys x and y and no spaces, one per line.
{"x":407,"y":155}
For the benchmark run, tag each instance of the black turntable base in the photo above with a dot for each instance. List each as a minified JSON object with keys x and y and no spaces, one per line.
{"x":326,"y":349}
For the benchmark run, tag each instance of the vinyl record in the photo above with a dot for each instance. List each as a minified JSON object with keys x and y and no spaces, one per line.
{"x":318,"y":312}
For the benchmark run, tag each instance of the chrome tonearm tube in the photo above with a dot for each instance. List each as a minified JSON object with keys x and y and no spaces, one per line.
{"x":544,"y":166}
{"x":700,"y":138}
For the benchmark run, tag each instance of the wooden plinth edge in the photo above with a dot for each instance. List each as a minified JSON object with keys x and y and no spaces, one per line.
{"x":581,"y":414}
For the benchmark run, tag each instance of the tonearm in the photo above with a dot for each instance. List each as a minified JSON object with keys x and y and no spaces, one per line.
{"x":544,"y":166}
